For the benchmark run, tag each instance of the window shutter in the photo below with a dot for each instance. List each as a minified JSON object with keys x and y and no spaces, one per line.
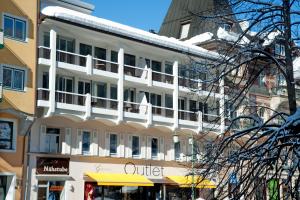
{"x":44,"y":143}
{"x":79,"y":142}
{"x":148,"y":154}
{"x":66,"y":145}
{"x":121,"y":146}
{"x":143,"y":147}
{"x":161,"y":149}
{"x":95,"y":143}
{"x":106,"y":150}
{"x":129,"y":147}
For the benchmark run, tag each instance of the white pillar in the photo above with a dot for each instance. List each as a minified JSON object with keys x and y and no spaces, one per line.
{"x":88,"y":106}
{"x":175,"y":94}
{"x":149,"y":76}
{"x":89,"y":68}
{"x":200,"y":122}
{"x":120,"y":85}
{"x":52,"y":72}
{"x":149,"y":115}
{"x":222,"y":106}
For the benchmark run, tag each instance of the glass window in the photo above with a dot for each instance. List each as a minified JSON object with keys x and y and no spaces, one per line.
{"x":135,"y":146}
{"x":46,"y":39}
{"x":6,"y":135}
{"x":114,"y":56}
{"x":129,"y":59}
{"x":177,"y":150}
{"x":184,"y":32}
{"x":168,"y":68}
{"x":154,"y":147}
{"x":113,"y":92}
{"x":279,"y":49}
{"x":169,"y":101}
{"x":86,"y":142}
{"x":156,"y":66}
{"x":14,"y":28}
{"x":13,"y":78}
{"x":227,"y":26}
{"x":100,"y":53}
{"x":113,"y":144}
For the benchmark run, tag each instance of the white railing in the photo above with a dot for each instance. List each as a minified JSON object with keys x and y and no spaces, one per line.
{"x":135,"y":71}
{"x":105,"y":65}
{"x":70,"y":98}
{"x":188,"y":115}
{"x":162,"y":77}
{"x":102,"y":102}
{"x":44,"y":52}
{"x":71,"y":58}
{"x":134,"y":107}
{"x":43,"y":94}
{"x":162,"y":111}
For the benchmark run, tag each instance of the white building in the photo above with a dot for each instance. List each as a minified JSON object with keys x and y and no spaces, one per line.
{"x":110,"y":100}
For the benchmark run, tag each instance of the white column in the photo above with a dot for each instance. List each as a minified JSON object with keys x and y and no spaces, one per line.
{"x":52,"y":72}
{"x":120,"y":85}
{"x":149,"y":76}
{"x":222,"y":106}
{"x":88,"y":106}
{"x":175,"y":94}
{"x":149,"y":115}
{"x":200,"y":122}
{"x":89,"y":68}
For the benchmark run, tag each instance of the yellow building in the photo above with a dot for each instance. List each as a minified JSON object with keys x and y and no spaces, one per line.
{"x":18,"y":21}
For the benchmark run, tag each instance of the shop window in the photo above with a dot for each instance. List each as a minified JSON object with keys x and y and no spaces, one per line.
{"x":7,"y":134}
{"x":113,"y":144}
{"x":154,"y":148}
{"x":7,"y":186}
{"x":14,"y":27}
{"x":184,"y":30}
{"x":135,"y":146}
{"x":177,"y":150}
{"x":51,"y":190}
{"x":86,"y":142}
{"x":13,"y":78}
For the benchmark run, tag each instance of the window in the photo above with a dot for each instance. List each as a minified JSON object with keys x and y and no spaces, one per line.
{"x":154,"y":147}
{"x":177,"y":150}
{"x":86,"y":142}
{"x":113,"y":144}
{"x":13,"y":78}
{"x":227,"y":26}
{"x":7,"y":135}
{"x":14,"y":27}
{"x":168,"y":68}
{"x":51,"y":190}
{"x":135,"y":146}
{"x":184,"y":31}
{"x":279,"y":49}
{"x":52,"y":140}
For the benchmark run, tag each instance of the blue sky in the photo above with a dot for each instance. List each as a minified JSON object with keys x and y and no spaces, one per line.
{"x":143,"y":14}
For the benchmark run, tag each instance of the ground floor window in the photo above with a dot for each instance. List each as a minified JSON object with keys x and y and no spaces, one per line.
{"x":177,"y":193}
{"x":94,"y":192}
{"x":51,"y":190}
{"x":7,"y":187}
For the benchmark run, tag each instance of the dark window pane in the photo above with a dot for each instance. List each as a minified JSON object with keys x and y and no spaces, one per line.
{"x":20,"y":29}
{"x":100,"y":53}
{"x":154,"y":147}
{"x":177,"y":150}
{"x":18,"y":80}
{"x":46,"y":39}
{"x":8,"y":26}
{"x":168,"y":68}
{"x":129,"y":59}
{"x":86,"y":141}
{"x":7,"y":77}
{"x":6,"y":135}
{"x":114,"y":56}
{"x":113,"y":144}
{"x":113,"y":92}
{"x":135,"y":146}
{"x":156,"y":66}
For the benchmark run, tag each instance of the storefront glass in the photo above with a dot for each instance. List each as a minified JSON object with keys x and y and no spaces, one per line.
{"x":51,"y":190}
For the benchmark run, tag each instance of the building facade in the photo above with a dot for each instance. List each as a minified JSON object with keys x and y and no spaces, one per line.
{"x":18,"y":22}
{"x":115,"y":115}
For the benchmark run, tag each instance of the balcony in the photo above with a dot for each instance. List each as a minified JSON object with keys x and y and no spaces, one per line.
{"x":87,"y":106}
{"x":88,"y":65}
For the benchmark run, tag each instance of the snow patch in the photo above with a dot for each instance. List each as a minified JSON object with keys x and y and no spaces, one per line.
{"x":231,"y":36}
{"x":270,"y":38}
{"x":198,"y":39}
{"x":113,"y":27}
{"x":296,"y":64}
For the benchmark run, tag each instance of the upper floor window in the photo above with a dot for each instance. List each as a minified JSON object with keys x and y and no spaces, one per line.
{"x":13,"y":78}
{"x":86,"y":142}
{"x":279,"y":49}
{"x":184,"y":30}
{"x":135,"y":146}
{"x":154,"y":147}
{"x":14,"y":27}
{"x":227,"y":26}
{"x":7,"y":135}
{"x":177,"y":150}
{"x":113,"y":144}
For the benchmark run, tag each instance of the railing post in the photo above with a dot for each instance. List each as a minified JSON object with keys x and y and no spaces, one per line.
{"x":120,"y":85}
{"x":52,"y":72}
{"x":89,"y":68}
{"x":149,"y":115}
{"x":149,"y":77}
{"x":88,"y":106}
{"x":175,"y":94}
{"x":200,"y":122}
{"x":222,"y":106}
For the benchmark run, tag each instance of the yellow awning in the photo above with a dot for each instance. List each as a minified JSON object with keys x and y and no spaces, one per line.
{"x":120,"y":179}
{"x":186,"y":181}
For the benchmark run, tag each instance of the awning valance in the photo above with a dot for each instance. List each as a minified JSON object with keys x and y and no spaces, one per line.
{"x":187,"y":181}
{"x":120,"y":179}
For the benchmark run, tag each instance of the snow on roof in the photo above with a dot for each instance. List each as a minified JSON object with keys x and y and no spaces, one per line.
{"x":198,"y":39}
{"x":270,"y":38}
{"x":231,"y":36}
{"x":296,"y":64}
{"x":113,"y":27}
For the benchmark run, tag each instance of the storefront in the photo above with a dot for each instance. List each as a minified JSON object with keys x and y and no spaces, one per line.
{"x":64,"y":178}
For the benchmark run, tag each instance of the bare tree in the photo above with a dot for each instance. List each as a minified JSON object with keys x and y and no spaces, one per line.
{"x":254,"y":152}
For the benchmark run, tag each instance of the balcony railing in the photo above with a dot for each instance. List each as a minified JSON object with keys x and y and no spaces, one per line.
{"x":188,"y":115}
{"x":211,"y":118}
{"x":43,"y":94}
{"x":44,"y":52}
{"x":105,"y":65}
{"x":70,"y":98}
{"x":162,"y":111}
{"x":135,"y":71}
{"x":101,"y":102}
{"x":162,"y":77}
{"x":134,"y":107}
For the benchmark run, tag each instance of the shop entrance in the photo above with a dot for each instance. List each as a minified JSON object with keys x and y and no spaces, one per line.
{"x":95,"y":192}
{"x":51,"y":190}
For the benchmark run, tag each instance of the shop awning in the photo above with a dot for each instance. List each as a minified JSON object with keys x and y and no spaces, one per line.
{"x":120,"y":179}
{"x":187,"y":181}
